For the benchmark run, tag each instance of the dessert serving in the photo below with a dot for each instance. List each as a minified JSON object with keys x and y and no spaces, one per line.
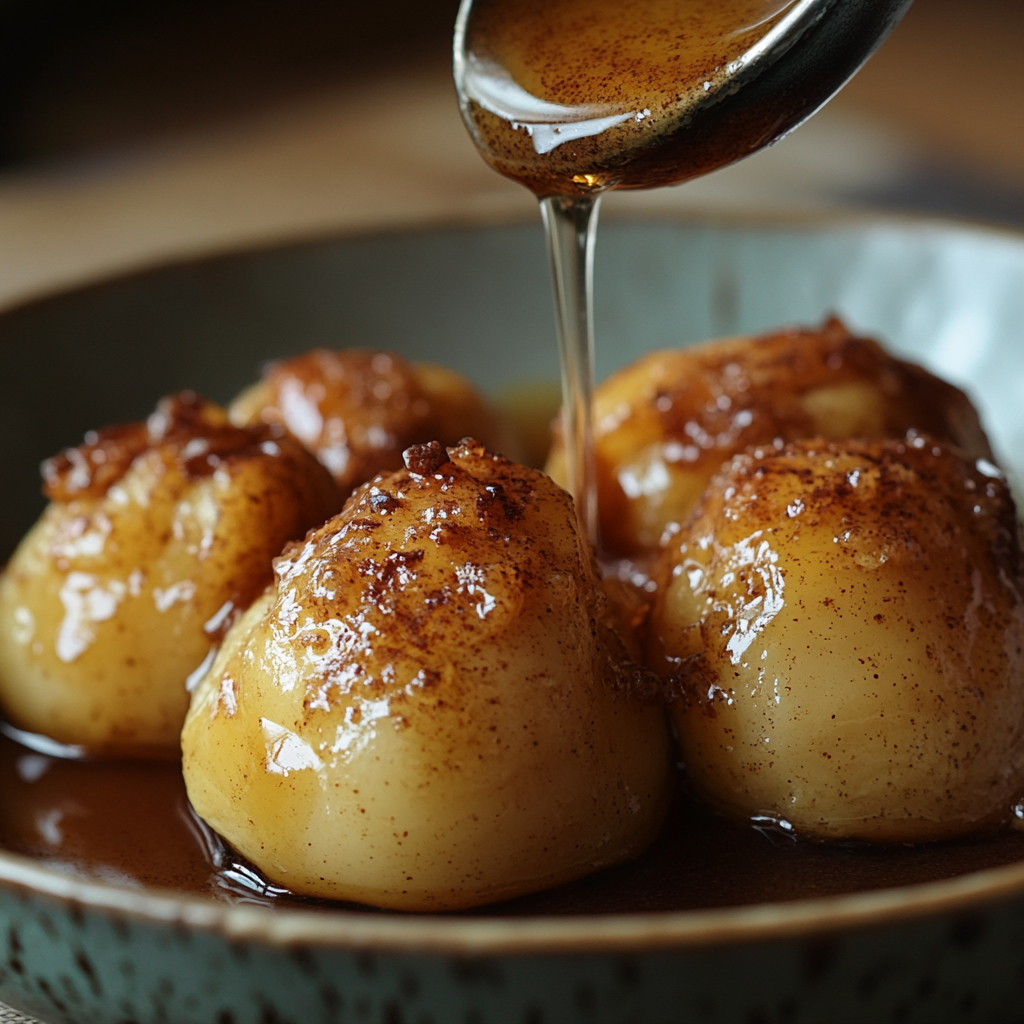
{"x":439,"y":699}
{"x":764,"y":646}
{"x":457,"y":689}
{"x":435,"y":705}
{"x":103,"y":855}
{"x":157,"y":536}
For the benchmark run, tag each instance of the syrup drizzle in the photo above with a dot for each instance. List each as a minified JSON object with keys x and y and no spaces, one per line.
{"x":570,"y":223}
{"x":562,"y":97}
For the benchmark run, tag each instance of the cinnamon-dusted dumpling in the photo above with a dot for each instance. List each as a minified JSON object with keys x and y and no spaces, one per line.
{"x":433,"y":707}
{"x":666,"y":423}
{"x":157,"y":535}
{"x":357,"y":410}
{"x":846,"y":623}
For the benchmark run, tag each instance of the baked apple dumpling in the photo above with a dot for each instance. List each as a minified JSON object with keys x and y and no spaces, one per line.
{"x":846,"y":622}
{"x":433,"y":707}
{"x":157,"y":534}
{"x":357,"y":410}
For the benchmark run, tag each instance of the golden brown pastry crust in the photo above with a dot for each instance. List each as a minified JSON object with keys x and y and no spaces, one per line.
{"x":357,"y":410}
{"x":846,"y":622}
{"x":158,"y":535}
{"x":433,"y":707}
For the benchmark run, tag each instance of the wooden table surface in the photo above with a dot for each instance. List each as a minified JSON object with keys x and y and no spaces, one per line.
{"x":951,"y":78}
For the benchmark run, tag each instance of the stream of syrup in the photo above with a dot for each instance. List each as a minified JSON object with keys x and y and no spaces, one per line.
{"x":574,"y":97}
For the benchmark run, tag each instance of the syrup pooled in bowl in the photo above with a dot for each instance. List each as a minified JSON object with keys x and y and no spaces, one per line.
{"x":128,"y":823}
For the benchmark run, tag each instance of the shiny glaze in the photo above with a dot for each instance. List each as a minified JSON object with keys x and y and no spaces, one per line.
{"x":665,"y":424}
{"x":357,"y":410}
{"x":129,"y":823}
{"x":845,"y":622}
{"x":157,"y":535}
{"x":433,"y":707}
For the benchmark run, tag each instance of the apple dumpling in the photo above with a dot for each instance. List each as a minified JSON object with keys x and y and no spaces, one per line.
{"x":433,"y":707}
{"x":845,"y":624}
{"x":357,"y":410}
{"x":156,"y":536}
{"x":665,"y":424}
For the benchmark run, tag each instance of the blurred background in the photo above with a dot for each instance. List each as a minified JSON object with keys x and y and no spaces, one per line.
{"x":134,"y":133}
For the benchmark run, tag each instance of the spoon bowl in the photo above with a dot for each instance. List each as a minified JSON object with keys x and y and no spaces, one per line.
{"x":573,"y":98}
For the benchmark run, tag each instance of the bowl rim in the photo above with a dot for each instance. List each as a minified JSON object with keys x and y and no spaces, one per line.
{"x":623,"y":933}
{"x":617,"y":933}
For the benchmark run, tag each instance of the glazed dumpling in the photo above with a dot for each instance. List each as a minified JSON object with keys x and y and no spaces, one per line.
{"x":665,"y":424}
{"x":845,"y":621}
{"x":357,"y":410}
{"x":433,"y":707}
{"x":156,"y":536}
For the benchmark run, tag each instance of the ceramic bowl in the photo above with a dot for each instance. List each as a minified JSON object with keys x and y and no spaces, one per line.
{"x":98,"y":952}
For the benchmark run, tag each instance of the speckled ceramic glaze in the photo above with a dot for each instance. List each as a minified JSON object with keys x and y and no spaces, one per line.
{"x":83,"y":950}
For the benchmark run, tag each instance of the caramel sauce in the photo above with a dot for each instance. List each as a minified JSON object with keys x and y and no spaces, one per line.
{"x":129,"y":823}
{"x":577,"y":96}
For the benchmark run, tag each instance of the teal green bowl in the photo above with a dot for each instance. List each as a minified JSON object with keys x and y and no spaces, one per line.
{"x":91,"y":951}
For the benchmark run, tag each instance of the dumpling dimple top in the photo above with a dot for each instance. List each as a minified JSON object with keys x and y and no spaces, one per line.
{"x":157,"y":535}
{"x":433,"y":707}
{"x":846,"y":620}
{"x":357,"y":409}
{"x":665,"y":424}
